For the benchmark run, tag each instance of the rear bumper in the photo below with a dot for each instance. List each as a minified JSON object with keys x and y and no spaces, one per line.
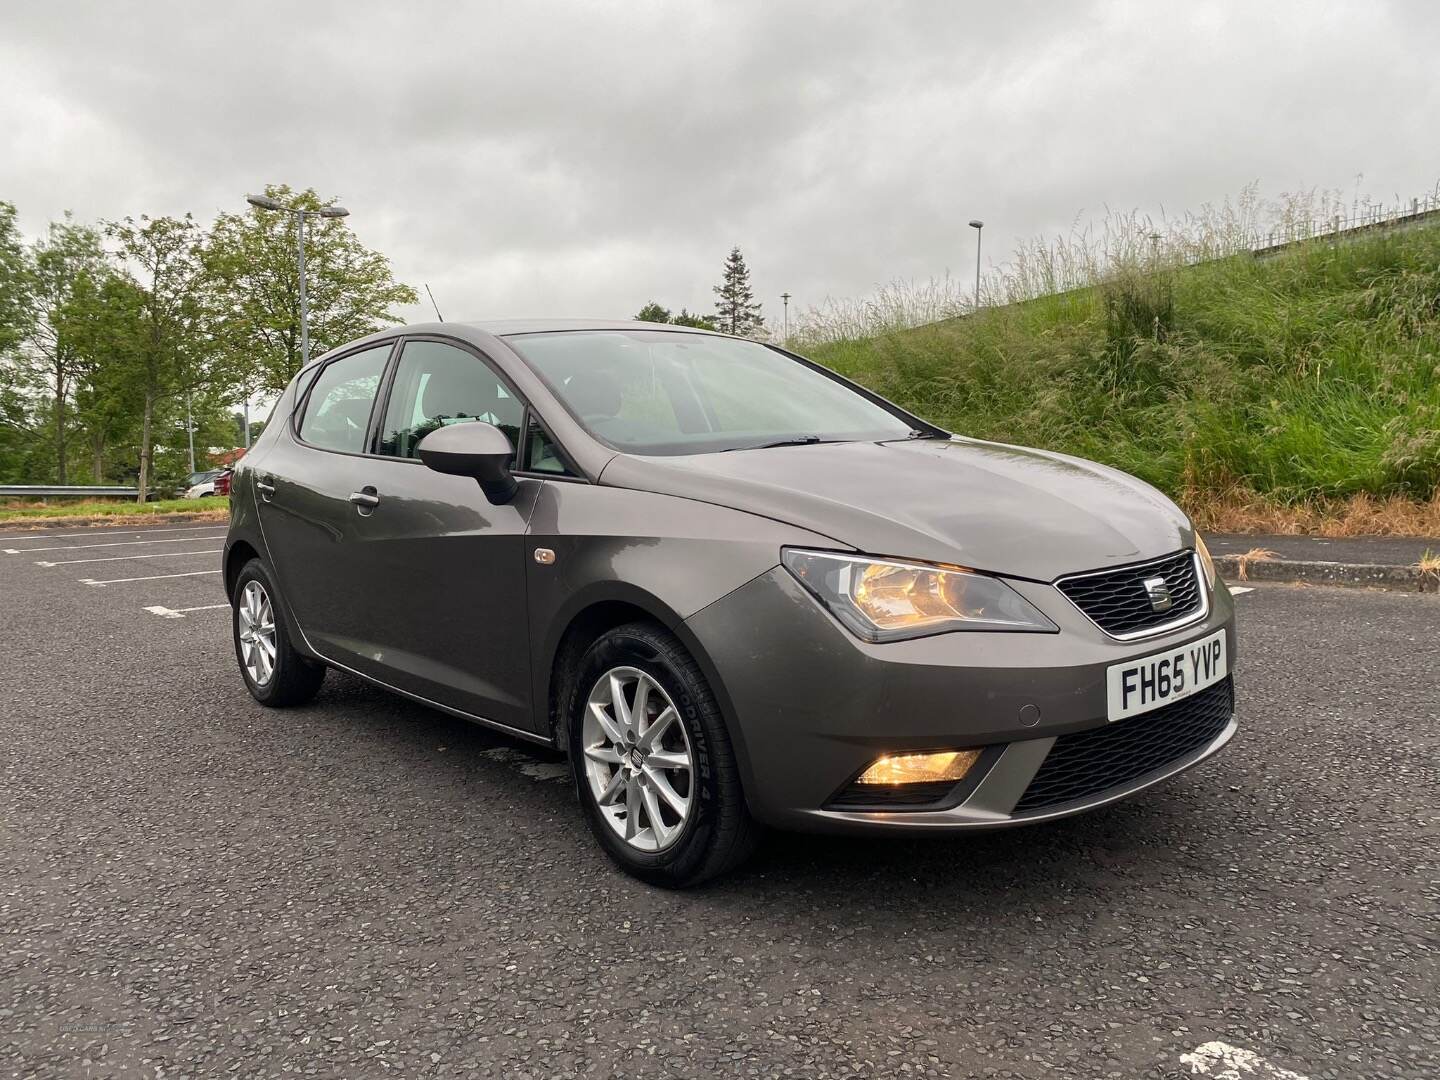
{"x":810,"y":706}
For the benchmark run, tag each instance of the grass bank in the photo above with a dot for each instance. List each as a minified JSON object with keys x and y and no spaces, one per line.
{"x":113,"y":510}
{"x":1295,"y":393}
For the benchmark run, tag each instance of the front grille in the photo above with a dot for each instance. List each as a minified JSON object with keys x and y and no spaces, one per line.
{"x":1088,"y":763}
{"x":1117,"y":600}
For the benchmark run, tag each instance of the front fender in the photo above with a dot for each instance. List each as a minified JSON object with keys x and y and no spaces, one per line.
{"x":664,"y":556}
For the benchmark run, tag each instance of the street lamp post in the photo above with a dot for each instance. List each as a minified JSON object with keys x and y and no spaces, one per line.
{"x":977,"y":225}
{"x":785,"y":299}
{"x":190,"y":430}
{"x":264,"y":202}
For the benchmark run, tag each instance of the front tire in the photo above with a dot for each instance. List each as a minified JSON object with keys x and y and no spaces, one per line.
{"x":274,"y":673}
{"x":652,"y":760}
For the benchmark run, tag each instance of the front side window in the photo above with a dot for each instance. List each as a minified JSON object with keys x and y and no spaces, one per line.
{"x":337,"y":415}
{"x":438,"y":384}
{"x":659,"y":392}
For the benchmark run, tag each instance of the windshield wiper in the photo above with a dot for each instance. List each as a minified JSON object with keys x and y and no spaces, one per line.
{"x":916,"y":433}
{"x":794,"y":440}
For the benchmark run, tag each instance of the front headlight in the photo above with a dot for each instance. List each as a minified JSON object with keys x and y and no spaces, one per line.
{"x":1206,"y":562}
{"x":881,"y":600}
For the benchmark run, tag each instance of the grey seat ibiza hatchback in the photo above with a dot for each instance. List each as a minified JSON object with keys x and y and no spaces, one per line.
{"x":735,"y":588}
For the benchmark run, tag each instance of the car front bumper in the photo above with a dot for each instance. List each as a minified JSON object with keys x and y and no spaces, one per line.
{"x":811,"y":706}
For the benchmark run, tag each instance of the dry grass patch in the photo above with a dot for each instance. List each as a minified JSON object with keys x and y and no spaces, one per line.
{"x":1257,"y":554}
{"x":39,"y":515}
{"x":1239,"y":511}
{"x":1430,"y":566}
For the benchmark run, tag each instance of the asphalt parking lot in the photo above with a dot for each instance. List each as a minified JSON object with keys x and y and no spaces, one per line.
{"x":192,"y":885}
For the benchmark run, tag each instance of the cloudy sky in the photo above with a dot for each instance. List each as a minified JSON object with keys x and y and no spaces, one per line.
{"x":536,"y":158}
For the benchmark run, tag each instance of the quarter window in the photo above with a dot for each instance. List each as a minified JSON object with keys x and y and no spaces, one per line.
{"x":437,"y":385}
{"x":543,"y":456}
{"x":338,"y":414}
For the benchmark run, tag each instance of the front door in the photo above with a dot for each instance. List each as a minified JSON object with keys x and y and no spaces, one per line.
{"x":437,"y":571}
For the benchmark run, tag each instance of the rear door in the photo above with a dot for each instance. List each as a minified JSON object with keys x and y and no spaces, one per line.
{"x":304,"y":486}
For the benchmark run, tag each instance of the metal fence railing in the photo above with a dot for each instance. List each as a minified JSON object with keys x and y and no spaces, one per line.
{"x":1359,"y":220}
{"x":65,"y":491}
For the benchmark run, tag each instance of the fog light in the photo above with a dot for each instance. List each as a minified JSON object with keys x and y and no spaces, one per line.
{"x":944,"y":765}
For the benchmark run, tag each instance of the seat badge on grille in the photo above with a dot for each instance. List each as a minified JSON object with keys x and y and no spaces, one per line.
{"x":1159,"y":593}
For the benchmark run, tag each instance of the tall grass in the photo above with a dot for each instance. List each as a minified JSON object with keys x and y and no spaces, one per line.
{"x":1169,"y":351}
{"x":1094,"y":251}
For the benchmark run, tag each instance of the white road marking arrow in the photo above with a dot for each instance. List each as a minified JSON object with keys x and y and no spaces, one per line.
{"x":1226,"y":1062}
{"x":180,"y":613}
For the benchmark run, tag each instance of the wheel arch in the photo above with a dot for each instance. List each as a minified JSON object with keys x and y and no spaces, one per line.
{"x":239,"y":553}
{"x":592,"y":613}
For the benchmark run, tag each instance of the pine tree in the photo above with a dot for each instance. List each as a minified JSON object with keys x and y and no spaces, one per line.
{"x":736,"y":311}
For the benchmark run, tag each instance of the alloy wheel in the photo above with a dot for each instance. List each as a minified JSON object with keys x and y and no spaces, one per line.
{"x":256,"y":627}
{"x":638,"y":760}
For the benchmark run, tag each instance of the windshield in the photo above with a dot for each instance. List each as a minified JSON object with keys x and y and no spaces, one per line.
{"x":658,"y":392}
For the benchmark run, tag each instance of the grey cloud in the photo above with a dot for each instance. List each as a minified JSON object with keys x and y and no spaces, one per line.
{"x":584,"y":158}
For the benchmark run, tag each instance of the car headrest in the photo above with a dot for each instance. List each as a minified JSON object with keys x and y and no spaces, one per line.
{"x":594,"y":395}
{"x":459,"y":391}
{"x":345,"y":414}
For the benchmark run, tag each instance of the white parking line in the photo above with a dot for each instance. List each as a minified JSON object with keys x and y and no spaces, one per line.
{"x":152,"y":577}
{"x":1226,"y":1062}
{"x":1240,"y":590}
{"x":115,"y":543}
{"x":180,"y":613}
{"x":121,"y":558}
{"x":106,"y":530}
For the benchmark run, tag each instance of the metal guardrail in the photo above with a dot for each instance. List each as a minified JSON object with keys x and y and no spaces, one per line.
{"x":64,"y":491}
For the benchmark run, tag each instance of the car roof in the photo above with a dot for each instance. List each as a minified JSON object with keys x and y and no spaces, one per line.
{"x":511,"y":327}
{"x":479,"y":330}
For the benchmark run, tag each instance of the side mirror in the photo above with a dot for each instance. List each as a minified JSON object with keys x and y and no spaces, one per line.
{"x":473,"y":449}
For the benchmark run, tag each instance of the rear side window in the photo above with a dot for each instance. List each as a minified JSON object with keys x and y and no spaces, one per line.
{"x":338,"y":413}
{"x":437,"y":385}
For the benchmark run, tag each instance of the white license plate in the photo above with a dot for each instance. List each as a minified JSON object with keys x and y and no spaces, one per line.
{"x":1148,"y":682}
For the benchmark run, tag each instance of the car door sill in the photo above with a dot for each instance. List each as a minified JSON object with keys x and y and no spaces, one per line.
{"x":496,"y":725}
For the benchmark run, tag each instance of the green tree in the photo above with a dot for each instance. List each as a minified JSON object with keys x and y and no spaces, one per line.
{"x":16,"y":426}
{"x":103,"y":323}
{"x":237,"y":420}
{"x":173,"y":355}
{"x":736,"y":310}
{"x":255,"y":283}
{"x":653,"y":312}
{"x":15,"y":285}
{"x":701,"y":322}
{"x":68,"y":253}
